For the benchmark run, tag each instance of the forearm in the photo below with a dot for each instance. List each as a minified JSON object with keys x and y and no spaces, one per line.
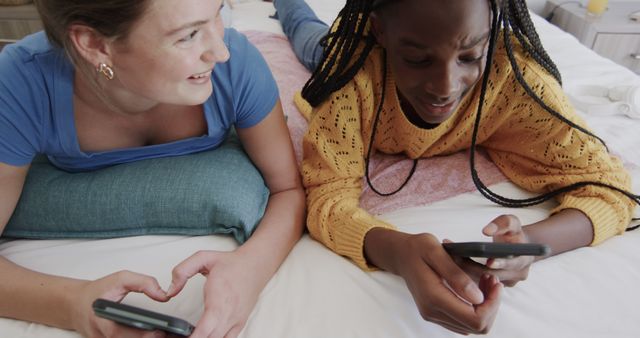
{"x":380,"y":248}
{"x":277,"y":233}
{"x":36,"y":297}
{"x":336,"y":220}
{"x":564,"y":231}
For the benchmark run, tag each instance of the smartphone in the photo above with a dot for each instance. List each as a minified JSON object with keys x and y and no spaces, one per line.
{"x":140,"y":318}
{"x":496,"y":250}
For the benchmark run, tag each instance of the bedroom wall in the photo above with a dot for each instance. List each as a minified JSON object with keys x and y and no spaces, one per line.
{"x":536,"y":6}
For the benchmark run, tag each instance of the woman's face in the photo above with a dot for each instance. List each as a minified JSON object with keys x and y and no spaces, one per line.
{"x":436,"y":50}
{"x":170,"y":53}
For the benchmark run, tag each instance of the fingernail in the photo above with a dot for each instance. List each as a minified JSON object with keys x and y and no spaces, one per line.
{"x":495,"y":280}
{"x":170,"y":288}
{"x":491,"y":228}
{"x":497,"y":264}
{"x":475,"y":295}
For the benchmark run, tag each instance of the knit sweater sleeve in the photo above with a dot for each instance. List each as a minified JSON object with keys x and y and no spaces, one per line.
{"x":333,"y":167}
{"x":540,"y":153}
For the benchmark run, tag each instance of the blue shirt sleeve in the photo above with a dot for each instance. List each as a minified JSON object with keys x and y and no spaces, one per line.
{"x":255,"y":92}
{"x":21,"y":92}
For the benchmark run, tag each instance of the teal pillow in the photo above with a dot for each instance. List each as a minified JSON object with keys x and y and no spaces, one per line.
{"x":213,"y":192}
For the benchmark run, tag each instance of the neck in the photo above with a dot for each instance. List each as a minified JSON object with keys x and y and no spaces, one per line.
{"x":111,"y":99}
{"x":410,"y":113}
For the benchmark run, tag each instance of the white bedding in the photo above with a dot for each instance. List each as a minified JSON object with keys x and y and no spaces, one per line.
{"x":590,"y":292}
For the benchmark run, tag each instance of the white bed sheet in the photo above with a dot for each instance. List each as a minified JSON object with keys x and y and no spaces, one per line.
{"x":590,"y":292}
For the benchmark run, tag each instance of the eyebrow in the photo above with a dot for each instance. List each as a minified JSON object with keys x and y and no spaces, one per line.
{"x":191,"y":24}
{"x":411,"y":43}
{"x":187,"y":25}
{"x":476,"y":41}
{"x":472,"y":43}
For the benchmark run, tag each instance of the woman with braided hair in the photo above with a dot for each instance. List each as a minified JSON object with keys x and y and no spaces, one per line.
{"x":408,"y":76}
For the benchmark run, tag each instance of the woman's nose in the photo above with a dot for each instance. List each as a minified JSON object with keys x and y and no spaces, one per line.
{"x":217,"y":51}
{"x":444,"y":82}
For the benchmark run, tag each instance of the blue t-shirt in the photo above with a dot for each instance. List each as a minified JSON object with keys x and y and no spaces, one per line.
{"x":36,"y":105}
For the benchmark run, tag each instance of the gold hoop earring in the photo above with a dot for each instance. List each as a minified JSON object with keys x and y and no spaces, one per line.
{"x":105,"y":70}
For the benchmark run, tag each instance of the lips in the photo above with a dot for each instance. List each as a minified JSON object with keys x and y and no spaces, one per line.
{"x":440,"y":109}
{"x":201,"y":75}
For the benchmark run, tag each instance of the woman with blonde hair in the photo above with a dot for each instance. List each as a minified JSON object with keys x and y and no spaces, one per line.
{"x":115,"y":82}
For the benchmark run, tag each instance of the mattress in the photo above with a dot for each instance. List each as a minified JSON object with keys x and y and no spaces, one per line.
{"x":588,"y":292}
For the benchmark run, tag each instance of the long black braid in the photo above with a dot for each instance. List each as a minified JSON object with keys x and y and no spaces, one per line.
{"x":337,"y":68}
{"x":511,"y":17}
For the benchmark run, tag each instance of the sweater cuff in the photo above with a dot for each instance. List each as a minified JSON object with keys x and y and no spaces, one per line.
{"x":607,"y":220}
{"x":352,"y":237}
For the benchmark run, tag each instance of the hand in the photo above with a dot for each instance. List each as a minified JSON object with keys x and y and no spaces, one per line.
{"x":113,"y":287}
{"x":230,"y":292}
{"x":510,"y":271}
{"x":444,"y":293}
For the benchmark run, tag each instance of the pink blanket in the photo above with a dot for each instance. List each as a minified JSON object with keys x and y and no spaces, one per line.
{"x":435,"y":178}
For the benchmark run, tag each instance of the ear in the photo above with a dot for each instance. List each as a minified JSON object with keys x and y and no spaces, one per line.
{"x":377,"y":29}
{"x":90,"y":45}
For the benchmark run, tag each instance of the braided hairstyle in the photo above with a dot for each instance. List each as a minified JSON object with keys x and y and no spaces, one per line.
{"x":348,"y":45}
{"x":341,"y":44}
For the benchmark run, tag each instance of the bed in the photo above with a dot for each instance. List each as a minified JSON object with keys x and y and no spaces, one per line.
{"x":589,"y":292}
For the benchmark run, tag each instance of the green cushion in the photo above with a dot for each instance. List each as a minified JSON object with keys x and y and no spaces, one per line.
{"x":213,"y":192}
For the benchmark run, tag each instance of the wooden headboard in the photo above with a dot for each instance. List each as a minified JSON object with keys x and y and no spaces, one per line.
{"x":4,"y":42}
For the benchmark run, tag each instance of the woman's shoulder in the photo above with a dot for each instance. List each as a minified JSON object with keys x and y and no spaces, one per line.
{"x":32,"y":59}
{"x":507,"y":83}
{"x":244,"y":57}
{"x":27,"y":48}
{"x":244,"y":88}
{"x":237,"y":43}
{"x":31,"y":72}
{"x":244,"y":65}
{"x":25,"y":68}
{"x":370,"y":75}
{"x":528,"y":68}
{"x":233,"y":37}
{"x":365,"y":85}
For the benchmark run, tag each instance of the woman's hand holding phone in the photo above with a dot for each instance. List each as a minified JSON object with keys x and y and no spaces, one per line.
{"x":112,"y":287}
{"x":442,"y":291}
{"x":509,"y":270}
{"x":141,"y":318}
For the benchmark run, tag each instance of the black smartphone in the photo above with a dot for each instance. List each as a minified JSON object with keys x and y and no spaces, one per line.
{"x":496,"y":250}
{"x":140,"y":318}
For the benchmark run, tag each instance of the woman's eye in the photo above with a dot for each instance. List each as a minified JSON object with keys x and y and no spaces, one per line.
{"x":189,"y":37}
{"x":471,"y":59}
{"x":416,"y":61}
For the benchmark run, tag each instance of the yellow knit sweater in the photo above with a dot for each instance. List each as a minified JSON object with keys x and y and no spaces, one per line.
{"x":532,"y":148}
